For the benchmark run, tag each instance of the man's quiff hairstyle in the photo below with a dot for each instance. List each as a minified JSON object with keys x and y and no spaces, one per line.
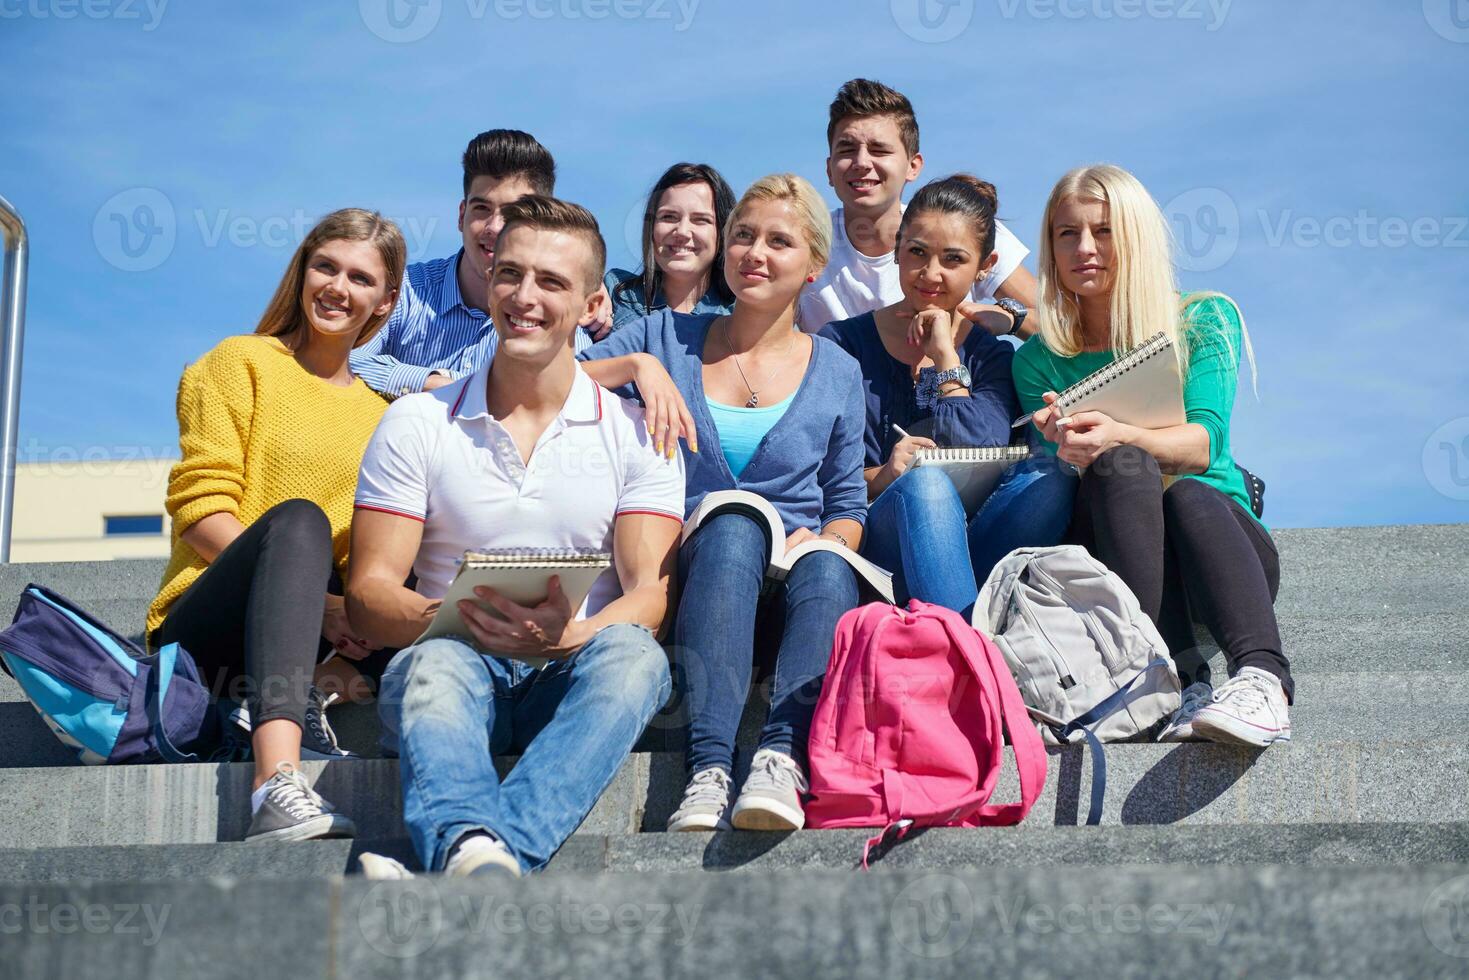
{"x":502,"y":153}
{"x":862,"y":97}
{"x":550,"y":214}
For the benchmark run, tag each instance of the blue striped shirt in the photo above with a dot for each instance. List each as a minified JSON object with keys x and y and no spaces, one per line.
{"x":431,"y":329}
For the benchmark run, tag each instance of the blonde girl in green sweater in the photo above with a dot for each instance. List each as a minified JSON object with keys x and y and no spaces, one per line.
{"x":1166,"y":509}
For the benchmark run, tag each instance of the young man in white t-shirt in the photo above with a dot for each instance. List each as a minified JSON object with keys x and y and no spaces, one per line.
{"x":526,"y":453}
{"x":872,"y":141}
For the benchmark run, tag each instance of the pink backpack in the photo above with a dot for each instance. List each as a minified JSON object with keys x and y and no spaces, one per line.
{"x":909,"y":728}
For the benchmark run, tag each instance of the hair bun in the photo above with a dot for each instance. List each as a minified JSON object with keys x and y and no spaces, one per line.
{"x":983,"y":188}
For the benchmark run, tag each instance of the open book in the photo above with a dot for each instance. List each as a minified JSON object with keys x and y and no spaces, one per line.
{"x":1139,"y":388}
{"x":974,"y":470}
{"x":780,"y":560}
{"x":520,"y":575}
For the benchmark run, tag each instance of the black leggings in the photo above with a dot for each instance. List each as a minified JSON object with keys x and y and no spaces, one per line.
{"x":252,"y":620}
{"x":1186,"y":551}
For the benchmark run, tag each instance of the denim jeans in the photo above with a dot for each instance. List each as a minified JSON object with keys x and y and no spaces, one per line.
{"x":721,"y":574}
{"x":918,"y":530}
{"x":447,"y":709}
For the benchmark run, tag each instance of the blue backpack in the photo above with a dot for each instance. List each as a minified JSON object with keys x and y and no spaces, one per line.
{"x":101,"y":695}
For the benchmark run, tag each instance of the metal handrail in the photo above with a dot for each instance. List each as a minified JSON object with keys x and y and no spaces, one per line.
{"x":12,"y":322}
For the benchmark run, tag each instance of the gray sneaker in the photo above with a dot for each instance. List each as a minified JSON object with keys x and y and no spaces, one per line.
{"x":771,"y":798}
{"x":705,"y":803}
{"x":1180,"y":727}
{"x":293,"y":811}
{"x":318,"y":741}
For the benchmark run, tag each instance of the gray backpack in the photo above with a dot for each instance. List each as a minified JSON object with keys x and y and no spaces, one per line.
{"x":1089,"y":663}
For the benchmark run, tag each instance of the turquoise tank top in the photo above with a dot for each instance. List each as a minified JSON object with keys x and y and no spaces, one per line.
{"x":741,"y":429}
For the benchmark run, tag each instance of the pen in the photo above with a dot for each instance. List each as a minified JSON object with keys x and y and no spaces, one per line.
{"x":901,"y":434}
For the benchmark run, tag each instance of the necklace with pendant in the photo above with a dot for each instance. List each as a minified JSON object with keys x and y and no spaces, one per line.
{"x":754,"y":399}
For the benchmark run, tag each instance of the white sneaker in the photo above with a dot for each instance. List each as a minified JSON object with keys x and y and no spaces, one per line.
{"x":1180,"y":727}
{"x":380,"y":867}
{"x":1248,"y":709}
{"x":480,"y":854}
{"x":771,"y":797}
{"x":705,"y":803}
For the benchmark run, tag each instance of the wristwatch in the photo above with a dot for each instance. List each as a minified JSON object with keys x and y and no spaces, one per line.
{"x":931,"y":379}
{"x":1017,"y":310}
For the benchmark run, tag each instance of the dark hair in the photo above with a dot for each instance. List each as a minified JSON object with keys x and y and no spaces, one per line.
{"x":549,"y":214}
{"x":502,"y":153}
{"x":864,"y":97}
{"x":649,"y":280}
{"x":962,"y":194}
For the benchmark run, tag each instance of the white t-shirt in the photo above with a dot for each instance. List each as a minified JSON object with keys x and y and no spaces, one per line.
{"x":853,"y":283}
{"x":439,"y":457}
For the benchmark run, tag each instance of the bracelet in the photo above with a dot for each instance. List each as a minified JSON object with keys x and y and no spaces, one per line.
{"x":838,"y":535}
{"x":947,"y":386}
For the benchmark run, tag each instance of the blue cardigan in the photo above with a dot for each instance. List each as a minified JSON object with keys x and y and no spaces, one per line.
{"x":809,"y":465}
{"x":982,"y":419}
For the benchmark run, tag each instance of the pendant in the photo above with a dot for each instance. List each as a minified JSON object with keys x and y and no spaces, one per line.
{"x":754,"y":400}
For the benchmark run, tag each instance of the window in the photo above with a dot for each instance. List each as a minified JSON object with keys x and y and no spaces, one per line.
{"x":118,"y":525}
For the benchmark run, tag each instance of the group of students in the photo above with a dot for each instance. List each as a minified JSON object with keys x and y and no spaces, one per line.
{"x":514,"y":396}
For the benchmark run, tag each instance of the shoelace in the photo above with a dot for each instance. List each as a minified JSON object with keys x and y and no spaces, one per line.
{"x":316,"y":717}
{"x":1251,"y":693}
{"x":293,"y":794}
{"x":1194,"y":698}
{"x":708,"y":788}
{"x":779,"y":770}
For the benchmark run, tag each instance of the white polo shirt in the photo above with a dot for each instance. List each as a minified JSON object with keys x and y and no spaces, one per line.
{"x":439,"y":457}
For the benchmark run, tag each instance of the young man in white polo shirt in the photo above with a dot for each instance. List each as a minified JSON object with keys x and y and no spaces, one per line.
{"x":528,"y":452}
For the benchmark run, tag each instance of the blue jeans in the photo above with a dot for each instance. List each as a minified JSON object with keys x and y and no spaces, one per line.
{"x":721,"y":574}
{"x":447,"y":709}
{"x":918,"y":530}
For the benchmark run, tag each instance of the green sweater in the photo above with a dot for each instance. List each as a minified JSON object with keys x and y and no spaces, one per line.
{"x":1215,"y":338}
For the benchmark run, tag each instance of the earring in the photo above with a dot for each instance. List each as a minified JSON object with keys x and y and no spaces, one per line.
{"x":810,"y":278}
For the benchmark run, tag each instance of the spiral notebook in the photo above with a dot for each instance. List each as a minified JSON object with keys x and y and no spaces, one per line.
{"x":1140,"y":388}
{"x":520,"y":575}
{"x":975,"y":470}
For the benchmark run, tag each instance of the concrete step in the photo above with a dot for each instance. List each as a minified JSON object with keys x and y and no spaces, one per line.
{"x":938,"y":849}
{"x":1329,"y":706}
{"x":1137,"y":922}
{"x":1366,"y":598}
{"x":1359,"y":782}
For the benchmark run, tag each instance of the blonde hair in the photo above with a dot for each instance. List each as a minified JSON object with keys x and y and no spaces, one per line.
{"x":284,"y":314}
{"x":810,"y":208}
{"x":1145,"y":299}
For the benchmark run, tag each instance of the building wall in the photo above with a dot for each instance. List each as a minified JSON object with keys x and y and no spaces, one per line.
{"x":61,"y":510}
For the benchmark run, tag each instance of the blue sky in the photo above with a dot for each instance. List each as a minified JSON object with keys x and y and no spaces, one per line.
{"x":1311,"y":155}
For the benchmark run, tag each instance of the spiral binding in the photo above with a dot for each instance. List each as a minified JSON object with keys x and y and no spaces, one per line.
{"x":975,"y":454}
{"x":1108,"y":373}
{"x":536,"y":558}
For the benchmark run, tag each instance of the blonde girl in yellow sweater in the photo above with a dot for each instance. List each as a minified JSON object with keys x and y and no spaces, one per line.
{"x":272,"y":428}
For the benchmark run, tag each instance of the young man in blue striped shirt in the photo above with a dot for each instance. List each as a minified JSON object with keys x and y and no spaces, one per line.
{"x":440,"y":330}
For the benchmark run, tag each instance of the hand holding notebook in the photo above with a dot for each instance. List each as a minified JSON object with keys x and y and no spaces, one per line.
{"x":518,"y":578}
{"x":1140,"y":388}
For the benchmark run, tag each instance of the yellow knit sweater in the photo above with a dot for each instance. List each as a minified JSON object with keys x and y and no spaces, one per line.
{"x":255,"y":429}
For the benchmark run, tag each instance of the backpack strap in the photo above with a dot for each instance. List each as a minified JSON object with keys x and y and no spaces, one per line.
{"x":1082,"y":723}
{"x":157,"y":691}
